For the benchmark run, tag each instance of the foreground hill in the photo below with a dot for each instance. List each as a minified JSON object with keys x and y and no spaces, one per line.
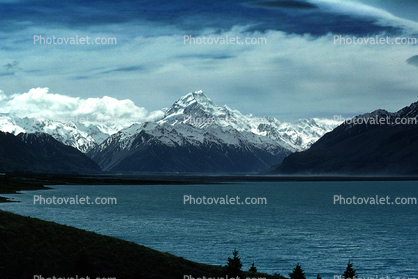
{"x":40,"y":152}
{"x":30,"y":246}
{"x":377,"y":143}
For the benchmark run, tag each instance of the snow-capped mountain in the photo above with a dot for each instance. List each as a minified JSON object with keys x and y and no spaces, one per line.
{"x":196,"y":135}
{"x":81,"y":135}
{"x":378,"y":143}
{"x":199,"y":111}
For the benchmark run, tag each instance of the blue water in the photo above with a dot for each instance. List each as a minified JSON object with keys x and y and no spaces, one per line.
{"x":299,"y":224}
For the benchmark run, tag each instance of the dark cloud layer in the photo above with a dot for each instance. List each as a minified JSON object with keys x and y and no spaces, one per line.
{"x":299,"y":73}
{"x":207,"y":56}
{"x":286,"y":4}
{"x":413,"y":61}
{"x":12,"y":66}
{"x":189,"y":16}
{"x":400,"y":8}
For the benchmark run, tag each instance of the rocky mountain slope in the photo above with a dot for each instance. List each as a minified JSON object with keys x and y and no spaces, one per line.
{"x":41,"y":153}
{"x":377,"y":143}
{"x":196,"y":135}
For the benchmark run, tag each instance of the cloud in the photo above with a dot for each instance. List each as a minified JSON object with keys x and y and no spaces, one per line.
{"x":401,"y":8}
{"x":39,"y":103}
{"x":207,"y":56}
{"x":12,"y":66}
{"x":163,"y":18}
{"x":413,"y":60}
{"x":368,"y":10}
{"x":281,"y":4}
{"x":298,"y":73}
{"x":138,"y":68}
{"x":10,"y":69}
{"x":291,"y":76}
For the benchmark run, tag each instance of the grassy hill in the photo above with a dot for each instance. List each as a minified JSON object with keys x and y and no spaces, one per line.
{"x":30,"y":246}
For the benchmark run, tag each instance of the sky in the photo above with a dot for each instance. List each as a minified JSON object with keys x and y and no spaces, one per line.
{"x":152,"y":53}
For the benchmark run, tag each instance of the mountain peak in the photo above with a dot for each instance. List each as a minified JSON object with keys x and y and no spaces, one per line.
{"x":192,"y":97}
{"x":189,"y":102}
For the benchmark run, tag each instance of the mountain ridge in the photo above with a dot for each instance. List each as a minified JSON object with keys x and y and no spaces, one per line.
{"x":201,"y":112}
{"x":376,"y":143}
{"x":220,"y":140}
{"x":41,"y":153}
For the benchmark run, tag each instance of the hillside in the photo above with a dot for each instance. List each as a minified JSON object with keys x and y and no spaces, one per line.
{"x":377,"y":143}
{"x":41,"y":153}
{"x":30,"y":246}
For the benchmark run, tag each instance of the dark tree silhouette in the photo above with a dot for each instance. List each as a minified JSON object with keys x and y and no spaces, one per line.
{"x":234,"y":265}
{"x":349,"y":271}
{"x":253,"y":268}
{"x":297,"y":273}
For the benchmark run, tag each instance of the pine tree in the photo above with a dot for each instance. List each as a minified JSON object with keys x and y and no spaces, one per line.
{"x":349,"y":271}
{"x":234,"y":265}
{"x":297,"y":273}
{"x":253,"y":268}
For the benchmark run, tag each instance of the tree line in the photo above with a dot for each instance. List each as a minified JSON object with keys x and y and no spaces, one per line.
{"x":234,"y":268}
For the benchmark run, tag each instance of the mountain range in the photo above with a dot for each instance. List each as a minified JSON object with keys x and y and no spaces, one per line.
{"x":80,"y":134}
{"x":378,"y":143}
{"x":196,"y":135}
{"x":41,"y":153}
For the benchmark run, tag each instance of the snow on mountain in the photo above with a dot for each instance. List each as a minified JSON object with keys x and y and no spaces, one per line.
{"x":199,"y":111}
{"x":301,"y":134}
{"x":193,"y":120}
{"x":83,"y":136}
{"x":379,"y":143}
{"x":195,"y":126}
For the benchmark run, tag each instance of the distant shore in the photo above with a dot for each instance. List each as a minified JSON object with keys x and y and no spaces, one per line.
{"x":12,"y":183}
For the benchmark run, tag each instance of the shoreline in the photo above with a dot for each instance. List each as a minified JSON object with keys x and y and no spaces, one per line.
{"x":37,"y":247}
{"x":13,"y":183}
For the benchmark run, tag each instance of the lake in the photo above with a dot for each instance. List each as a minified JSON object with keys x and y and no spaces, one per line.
{"x":300,"y":223}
